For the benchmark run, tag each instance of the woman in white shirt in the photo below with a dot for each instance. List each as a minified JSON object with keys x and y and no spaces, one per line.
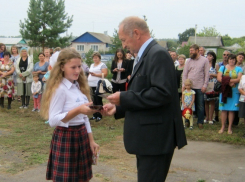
{"x":241,"y":88}
{"x":95,"y":74}
{"x":65,"y":103}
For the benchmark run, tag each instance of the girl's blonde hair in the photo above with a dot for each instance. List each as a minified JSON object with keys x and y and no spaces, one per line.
{"x":188,"y":82}
{"x":56,"y":77}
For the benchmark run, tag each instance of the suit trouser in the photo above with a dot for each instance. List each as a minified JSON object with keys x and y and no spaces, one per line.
{"x":153,"y":168}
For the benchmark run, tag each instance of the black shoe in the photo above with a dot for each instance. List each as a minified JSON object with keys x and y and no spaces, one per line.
{"x":2,"y":102}
{"x":9,"y":103}
{"x":93,"y":118}
{"x":98,"y":119}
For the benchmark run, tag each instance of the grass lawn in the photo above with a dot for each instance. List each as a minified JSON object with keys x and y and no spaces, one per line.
{"x":25,"y":139}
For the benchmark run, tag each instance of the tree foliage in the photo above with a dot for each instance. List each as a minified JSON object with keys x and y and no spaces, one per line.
{"x":46,"y":21}
{"x":183,"y":37}
{"x":184,"y":50}
{"x":208,"y":32}
{"x":88,"y":57}
{"x":116,"y":42}
{"x":172,"y":45}
{"x":151,"y":31}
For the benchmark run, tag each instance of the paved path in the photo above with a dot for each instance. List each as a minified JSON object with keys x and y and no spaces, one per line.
{"x":209,"y":161}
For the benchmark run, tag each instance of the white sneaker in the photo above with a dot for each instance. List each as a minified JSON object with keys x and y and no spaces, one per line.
{"x":205,"y":121}
{"x":33,"y":110}
{"x":211,"y":122}
{"x":25,"y":107}
{"x":38,"y":110}
{"x":21,"y":107}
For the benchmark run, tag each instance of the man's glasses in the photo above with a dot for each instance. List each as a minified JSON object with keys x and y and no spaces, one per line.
{"x":226,"y":54}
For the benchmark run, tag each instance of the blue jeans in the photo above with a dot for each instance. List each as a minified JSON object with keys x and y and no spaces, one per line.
{"x":199,"y":104}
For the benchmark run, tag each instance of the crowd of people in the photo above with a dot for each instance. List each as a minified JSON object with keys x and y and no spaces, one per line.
{"x":152,"y":131}
{"x":201,"y":73}
{"x":18,"y":76}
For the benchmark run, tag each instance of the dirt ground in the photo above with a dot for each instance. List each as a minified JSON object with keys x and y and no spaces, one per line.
{"x":209,"y":161}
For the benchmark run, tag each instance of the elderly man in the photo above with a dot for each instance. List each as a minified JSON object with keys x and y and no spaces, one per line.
{"x":197,"y":70}
{"x":153,"y":126}
{"x":202,"y":51}
{"x":174,"y":57}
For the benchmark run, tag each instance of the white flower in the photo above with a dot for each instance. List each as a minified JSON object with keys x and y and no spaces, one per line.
{"x":7,"y":67}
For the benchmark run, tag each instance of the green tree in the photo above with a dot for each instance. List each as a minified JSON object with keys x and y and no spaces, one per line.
{"x":172,"y":45}
{"x":183,"y":37}
{"x":151,"y":31}
{"x":116,"y":42}
{"x":208,"y":32}
{"x":46,"y":21}
{"x":184,"y":50}
{"x":88,"y":57}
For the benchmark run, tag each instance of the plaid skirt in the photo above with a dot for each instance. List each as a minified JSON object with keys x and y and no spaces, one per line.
{"x":70,"y":156}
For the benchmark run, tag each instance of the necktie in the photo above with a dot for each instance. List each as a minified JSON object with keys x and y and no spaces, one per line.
{"x":135,"y":62}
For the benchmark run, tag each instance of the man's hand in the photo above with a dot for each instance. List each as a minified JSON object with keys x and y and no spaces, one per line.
{"x":114,"y":98}
{"x":203,"y":89}
{"x":108,"y":110}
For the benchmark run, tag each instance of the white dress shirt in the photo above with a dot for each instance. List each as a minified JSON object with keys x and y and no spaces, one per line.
{"x":67,"y":97}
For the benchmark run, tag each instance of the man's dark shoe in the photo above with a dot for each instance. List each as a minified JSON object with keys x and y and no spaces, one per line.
{"x":200,"y":126}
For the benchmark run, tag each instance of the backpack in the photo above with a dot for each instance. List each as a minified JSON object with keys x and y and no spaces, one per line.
{"x":103,"y":86}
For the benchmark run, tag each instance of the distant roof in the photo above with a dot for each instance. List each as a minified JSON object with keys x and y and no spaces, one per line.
{"x":11,"y":41}
{"x":100,"y":36}
{"x":183,"y":44}
{"x":104,"y":38}
{"x":163,"y":43}
{"x":207,"y":41}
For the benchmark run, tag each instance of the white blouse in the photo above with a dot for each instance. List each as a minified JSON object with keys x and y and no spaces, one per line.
{"x":93,"y":80}
{"x":67,"y":97}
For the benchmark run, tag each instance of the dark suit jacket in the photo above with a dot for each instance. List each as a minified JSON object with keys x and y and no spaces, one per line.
{"x":123,"y":74}
{"x":130,"y":66}
{"x":153,"y":123}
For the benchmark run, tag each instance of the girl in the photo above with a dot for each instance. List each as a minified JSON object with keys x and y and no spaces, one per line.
{"x":119,"y":71}
{"x":210,"y":101}
{"x":36,"y":88}
{"x":65,"y":103}
{"x":188,"y":98}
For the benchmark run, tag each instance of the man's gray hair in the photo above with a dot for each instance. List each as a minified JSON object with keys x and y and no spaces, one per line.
{"x":134,"y":22}
{"x":226,"y":51}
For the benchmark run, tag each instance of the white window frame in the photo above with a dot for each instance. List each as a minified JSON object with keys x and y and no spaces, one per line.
{"x":93,"y":47}
{"x":80,"y":47}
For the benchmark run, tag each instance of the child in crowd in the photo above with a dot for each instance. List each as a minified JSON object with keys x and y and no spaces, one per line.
{"x":65,"y":103}
{"x":188,"y":98}
{"x":36,"y":90}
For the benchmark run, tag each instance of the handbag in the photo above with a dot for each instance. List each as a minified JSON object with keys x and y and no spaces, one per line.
{"x":103,"y":86}
{"x":217,"y":85}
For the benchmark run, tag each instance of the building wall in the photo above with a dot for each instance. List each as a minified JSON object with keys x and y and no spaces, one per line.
{"x":87,"y":46}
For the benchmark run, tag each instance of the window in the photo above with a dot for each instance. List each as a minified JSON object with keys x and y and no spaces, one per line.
{"x":80,"y":47}
{"x":95,"y":47}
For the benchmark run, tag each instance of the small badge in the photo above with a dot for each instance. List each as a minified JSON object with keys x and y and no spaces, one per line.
{"x":78,"y":100}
